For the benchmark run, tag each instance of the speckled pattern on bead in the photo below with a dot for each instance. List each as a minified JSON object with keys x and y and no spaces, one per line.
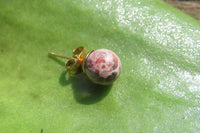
{"x":102,"y":66}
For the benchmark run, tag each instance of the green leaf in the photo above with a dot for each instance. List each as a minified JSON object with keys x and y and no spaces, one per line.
{"x":159,"y":86}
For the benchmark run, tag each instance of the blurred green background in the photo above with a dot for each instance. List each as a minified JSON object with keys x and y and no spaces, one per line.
{"x":158,"y":89}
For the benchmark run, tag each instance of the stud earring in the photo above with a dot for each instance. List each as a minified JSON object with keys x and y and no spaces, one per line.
{"x":102,"y":66}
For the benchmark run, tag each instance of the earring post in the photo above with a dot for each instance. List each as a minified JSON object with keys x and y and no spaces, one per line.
{"x":62,"y":56}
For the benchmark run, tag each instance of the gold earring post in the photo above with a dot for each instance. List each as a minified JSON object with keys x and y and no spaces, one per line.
{"x":62,"y":56}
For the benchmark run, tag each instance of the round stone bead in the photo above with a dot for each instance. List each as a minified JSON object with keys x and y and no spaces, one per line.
{"x":102,"y":66}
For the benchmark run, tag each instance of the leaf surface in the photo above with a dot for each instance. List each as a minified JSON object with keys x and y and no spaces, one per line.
{"x":159,"y":86}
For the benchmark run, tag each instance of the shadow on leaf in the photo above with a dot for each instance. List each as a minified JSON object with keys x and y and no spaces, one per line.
{"x":85,"y":91}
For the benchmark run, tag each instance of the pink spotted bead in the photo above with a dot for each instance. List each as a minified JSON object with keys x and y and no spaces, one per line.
{"x":102,"y":66}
